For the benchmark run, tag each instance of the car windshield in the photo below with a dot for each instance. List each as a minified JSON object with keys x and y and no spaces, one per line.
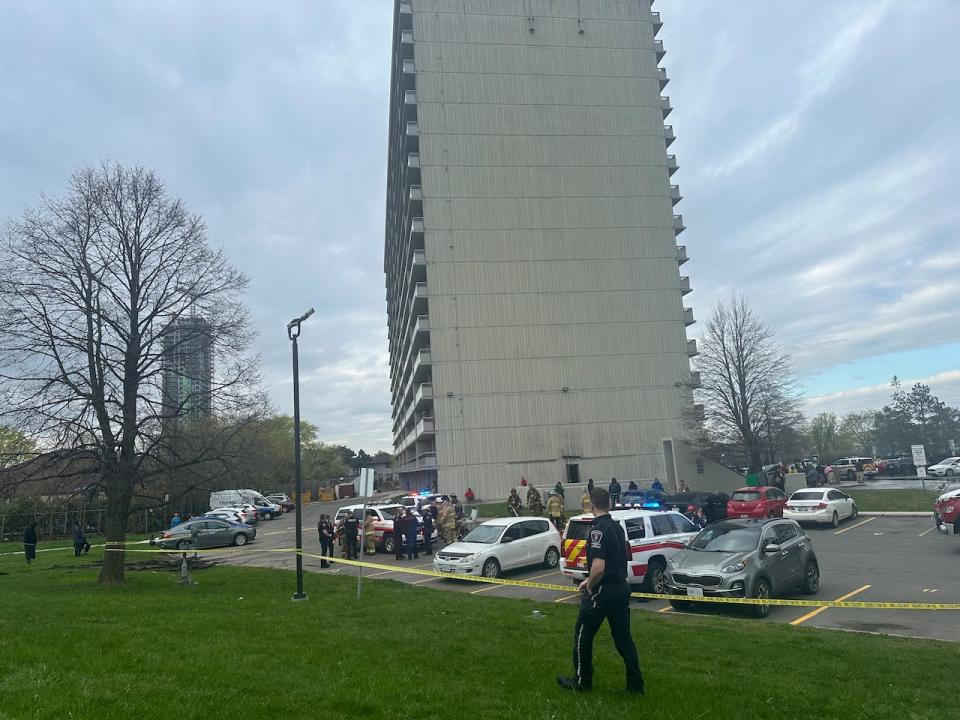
{"x":807,"y":495}
{"x":484,"y":534}
{"x":726,"y":538}
{"x":746,"y":495}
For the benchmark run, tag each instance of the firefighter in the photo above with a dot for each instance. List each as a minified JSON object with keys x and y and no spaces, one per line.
{"x":534,"y":502}
{"x":585,"y":501}
{"x":370,"y":533}
{"x":555,"y":510}
{"x":448,"y":523}
{"x":351,"y":532}
{"x":514,"y":506}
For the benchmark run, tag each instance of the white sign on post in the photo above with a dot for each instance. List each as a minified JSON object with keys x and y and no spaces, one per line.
{"x":364,"y":482}
{"x":920,"y":460}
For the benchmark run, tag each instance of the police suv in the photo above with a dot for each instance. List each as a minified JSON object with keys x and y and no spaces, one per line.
{"x":653,"y":536}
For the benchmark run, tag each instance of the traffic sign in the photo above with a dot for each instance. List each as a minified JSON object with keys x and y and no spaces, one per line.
{"x":919,"y":456}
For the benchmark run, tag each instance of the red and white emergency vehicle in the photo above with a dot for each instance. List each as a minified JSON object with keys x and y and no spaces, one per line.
{"x":653,"y":536}
{"x":383,"y":526}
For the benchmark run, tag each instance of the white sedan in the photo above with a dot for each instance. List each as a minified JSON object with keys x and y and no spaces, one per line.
{"x":820,"y":505}
{"x":502,"y":544}
{"x":948,"y":467}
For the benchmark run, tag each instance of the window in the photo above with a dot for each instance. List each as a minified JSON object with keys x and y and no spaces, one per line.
{"x":770,"y":536}
{"x":746,"y":495}
{"x":680,"y":523}
{"x":515,"y":532}
{"x":661,"y":525}
{"x":635,"y":529}
{"x":785,"y":532}
{"x":834,"y":495}
{"x":534,"y":527}
{"x":774,"y":494}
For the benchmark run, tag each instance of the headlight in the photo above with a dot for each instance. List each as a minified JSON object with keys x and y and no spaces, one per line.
{"x":468,"y":559}
{"x":671,"y":565}
{"x":735,"y":567}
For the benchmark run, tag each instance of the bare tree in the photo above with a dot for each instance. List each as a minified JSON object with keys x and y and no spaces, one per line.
{"x":92,"y":286}
{"x":747,"y":388}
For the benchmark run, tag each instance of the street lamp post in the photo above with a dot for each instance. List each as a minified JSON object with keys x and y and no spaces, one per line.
{"x":293,"y":332}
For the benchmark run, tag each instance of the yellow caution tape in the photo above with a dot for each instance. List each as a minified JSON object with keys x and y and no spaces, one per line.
{"x":850,"y":604}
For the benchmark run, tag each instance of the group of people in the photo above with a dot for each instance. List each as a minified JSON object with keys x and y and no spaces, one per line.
{"x":80,"y":544}
{"x":555,"y":505}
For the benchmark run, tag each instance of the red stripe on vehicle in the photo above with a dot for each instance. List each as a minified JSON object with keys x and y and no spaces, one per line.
{"x":657,"y":546}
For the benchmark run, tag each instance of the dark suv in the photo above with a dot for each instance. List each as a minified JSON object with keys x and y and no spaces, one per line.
{"x":745,"y":558}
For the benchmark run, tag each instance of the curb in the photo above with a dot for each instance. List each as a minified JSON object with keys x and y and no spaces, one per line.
{"x":893,"y":513}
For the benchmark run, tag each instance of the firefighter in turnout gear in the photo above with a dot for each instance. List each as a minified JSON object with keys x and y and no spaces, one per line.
{"x":369,"y":533}
{"x":514,"y":506}
{"x":606,"y":596}
{"x":534,"y":502}
{"x":555,"y":510}
{"x":448,"y":523}
{"x":585,"y":501}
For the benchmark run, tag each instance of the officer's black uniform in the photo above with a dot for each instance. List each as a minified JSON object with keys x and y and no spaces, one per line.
{"x":325,"y":529}
{"x":351,"y":527}
{"x":609,"y":600}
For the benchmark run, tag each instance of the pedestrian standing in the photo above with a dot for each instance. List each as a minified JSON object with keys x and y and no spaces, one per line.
{"x":325,"y":529}
{"x":410,"y":528}
{"x":558,"y":489}
{"x":448,"y":523}
{"x":427,"y":533}
{"x":469,"y":495}
{"x":457,"y":508}
{"x":657,"y":485}
{"x":585,"y":501}
{"x":859,"y":467}
{"x":606,"y":596}
{"x":590,"y":485}
{"x":30,"y":542}
{"x":555,"y":511}
{"x":80,"y":544}
{"x":370,"y":533}
{"x":398,"y":534}
{"x":351,"y":535}
{"x":613,"y":491}
{"x":175,"y":520}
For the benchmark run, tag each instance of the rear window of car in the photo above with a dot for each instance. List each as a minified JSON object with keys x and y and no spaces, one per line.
{"x":661,"y":525}
{"x":534,"y":527}
{"x":807,"y":495}
{"x":578,"y":530}
{"x":746,"y":495}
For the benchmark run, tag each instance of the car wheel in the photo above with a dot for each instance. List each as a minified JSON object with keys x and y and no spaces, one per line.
{"x":268,"y":516}
{"x":552,"y":558}
{"x":811,"y":579}
{"x":680,"y":604}
{"x":655,"y":581}
{"x":835,"y":520}
{"x":854,"y":512}
{"x":183,"y":545}
{"x":239,"y":539}
{"x":949,"y":473}
{"x":389,"y":544}
{"x":491,"y":568}
{"x":761,"y":591}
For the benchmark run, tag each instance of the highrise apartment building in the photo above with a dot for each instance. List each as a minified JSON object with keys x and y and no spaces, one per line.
{"x":534,"y":294}
{"x":187,"y":370}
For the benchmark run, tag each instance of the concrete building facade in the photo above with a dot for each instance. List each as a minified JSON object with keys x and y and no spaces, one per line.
{"x":535,"y":302}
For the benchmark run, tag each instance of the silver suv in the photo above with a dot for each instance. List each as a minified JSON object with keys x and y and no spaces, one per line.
{"x":745,"y":558}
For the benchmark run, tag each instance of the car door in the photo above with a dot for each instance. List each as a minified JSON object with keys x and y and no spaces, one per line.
{"x":791,"y":555}
{"x":775,"y":499}
{"x":840,"y":503}
{"x":512,"y":550}
{"x":537,"y":539}
{"x":771,"y":562}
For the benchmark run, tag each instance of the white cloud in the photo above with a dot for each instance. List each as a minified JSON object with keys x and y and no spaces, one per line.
{"x":945,"y":385}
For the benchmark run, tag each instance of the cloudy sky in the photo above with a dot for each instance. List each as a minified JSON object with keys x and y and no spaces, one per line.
{"x":818,"y":148}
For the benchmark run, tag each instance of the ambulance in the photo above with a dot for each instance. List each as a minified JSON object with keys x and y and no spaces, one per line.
{"x":653,"y":536}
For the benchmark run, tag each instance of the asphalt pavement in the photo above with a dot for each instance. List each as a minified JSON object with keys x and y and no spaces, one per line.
{"x":871,"y":559}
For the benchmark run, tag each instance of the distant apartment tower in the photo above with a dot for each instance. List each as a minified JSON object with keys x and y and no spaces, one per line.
{"x":187,"y":369}
{"x":536,"y":321}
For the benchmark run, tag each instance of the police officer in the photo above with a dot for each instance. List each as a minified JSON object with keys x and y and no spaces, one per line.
{"x":325,"y":530}
{"x":351,"y":531}
{"x":427,"y":532}
{"x":614,"y":491}
{"x":606,"y":596}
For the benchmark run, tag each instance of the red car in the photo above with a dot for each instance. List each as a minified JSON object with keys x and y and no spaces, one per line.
{"x":756,"y":502}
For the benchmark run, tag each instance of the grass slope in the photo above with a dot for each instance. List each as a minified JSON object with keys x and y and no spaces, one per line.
{"x":235,"y":645}
{"x":908,"y":500}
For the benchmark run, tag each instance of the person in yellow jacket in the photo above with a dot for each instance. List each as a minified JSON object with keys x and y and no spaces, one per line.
{"x":555,"y":510}
{"x":448,"y":522}
{"x":585,"y":502}
{"x":369,"y":533}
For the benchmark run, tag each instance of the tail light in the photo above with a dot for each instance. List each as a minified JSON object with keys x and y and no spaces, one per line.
{"x":822,"y":506}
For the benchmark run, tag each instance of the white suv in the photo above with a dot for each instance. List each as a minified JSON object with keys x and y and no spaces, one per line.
{"x":501,"y":544}
{"x":653,"y":537}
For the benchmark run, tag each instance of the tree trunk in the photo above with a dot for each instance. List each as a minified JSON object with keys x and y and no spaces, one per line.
{"x":115,"y":526}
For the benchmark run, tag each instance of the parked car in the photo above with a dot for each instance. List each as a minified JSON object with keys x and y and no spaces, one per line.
{"x":896,"y":466}
{"x":946,"y":511}
{"x":948,"y":467}
{"x":846,"y":468}
{"x":650,"y":499}
{"x":283,"y":500}
{"x":269,"y":511}
{"x":247,"y":513}
{"x":745,"y":558}
{"x":501,"y":544}
{"x":653,"y":536}
{"x":820,"y":505}
{"x":213,"y":532}
{"x":756,"y":502}
{"x":713,"y":504}
{"x":224,"y":514}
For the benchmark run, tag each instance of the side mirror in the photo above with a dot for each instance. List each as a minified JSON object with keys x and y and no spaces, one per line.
{"x":507,"y":539}
{"x":771,"y":548}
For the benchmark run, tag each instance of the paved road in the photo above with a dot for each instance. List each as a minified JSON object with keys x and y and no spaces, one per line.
{"x":878,"y":558}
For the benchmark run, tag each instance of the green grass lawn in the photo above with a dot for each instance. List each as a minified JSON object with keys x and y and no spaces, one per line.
{"x":235,"y":645}
{"x":894,"y":500}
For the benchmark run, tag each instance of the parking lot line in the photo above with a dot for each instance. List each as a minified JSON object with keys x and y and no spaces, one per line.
{"x":862,"y":522}
{"x":421,"y":582}
{"x":668,"y":608}
{"x":567,"y":597}
{"x":814,"y":613}
{"x":927,"y":530}
{"x":491,"y":587}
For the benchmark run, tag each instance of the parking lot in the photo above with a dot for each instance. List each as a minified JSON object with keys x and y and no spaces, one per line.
{"x":879,"y":559}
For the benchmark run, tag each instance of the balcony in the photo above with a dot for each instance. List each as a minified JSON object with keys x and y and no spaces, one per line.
{"x":665,"y":106}
{"x":413,"y":160}
{"x":413,"y":130}
{"x":692,"y":348}
{"x":657,"y":47}
{"x":409,"y":67}
{"x":424,"y":394}
{"x":418,"y":300}
{"x":678,"y":226}
{"x":424,"y":426}
{"x":668,"y":135}
{"x":405,"y":8}
{"x":685,"y":285}
{"x":657,"y":22}
{"x":695,"y":379}
{"x":420,"y":258}
{"x":406,"y":37}
{"x":410,"y":97}
{"x":416,"y":193}
{"x":427,"y":461}
{"x":675,"y":195}
{"x":672,"y":164}
{"x":681,"y":254}
{"x":688,"y":317}
{"x":416,"y":226}
{"x":662,"y":77}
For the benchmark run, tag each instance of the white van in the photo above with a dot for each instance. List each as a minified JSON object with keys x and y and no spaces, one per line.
{"x":266,"y":510}
{"x":653,"y":536}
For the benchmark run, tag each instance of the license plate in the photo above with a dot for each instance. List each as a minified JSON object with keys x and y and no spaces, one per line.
{"x":695,"y":592}
{"x":445,"y":568}
{"x":744,"y":516}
